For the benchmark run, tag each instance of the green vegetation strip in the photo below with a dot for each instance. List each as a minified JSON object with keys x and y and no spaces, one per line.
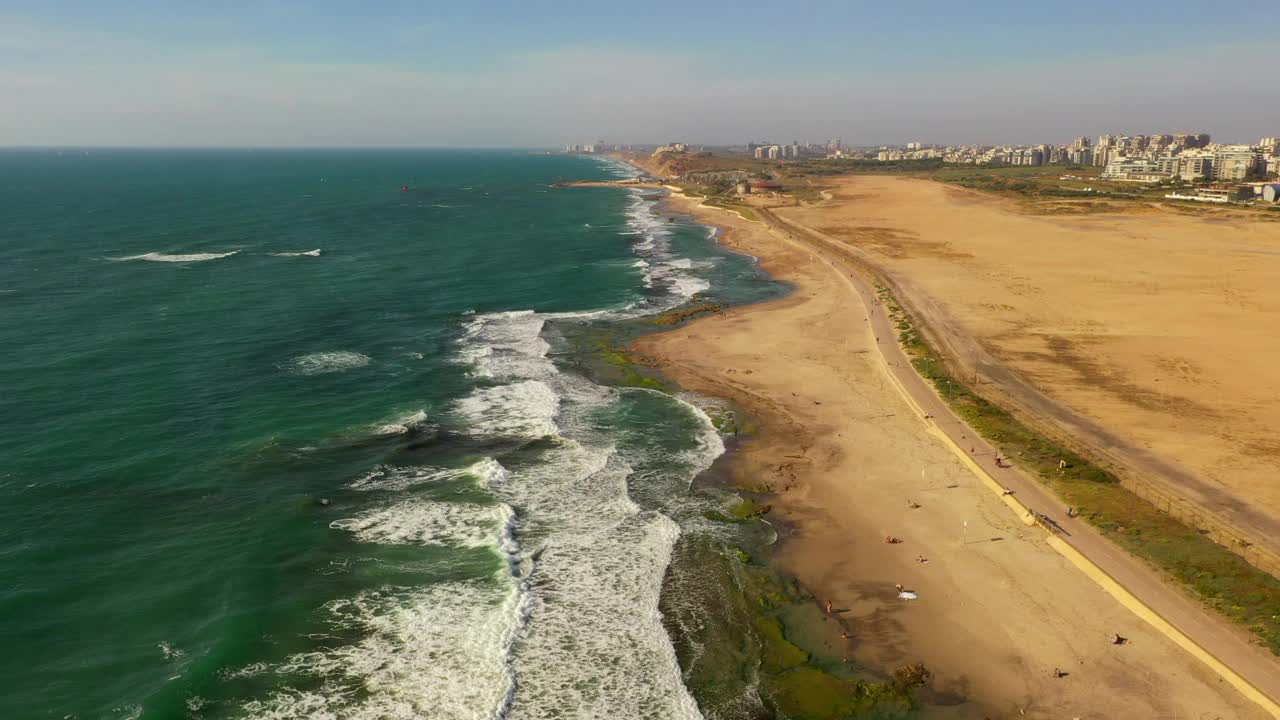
{"x":1222,"y":579}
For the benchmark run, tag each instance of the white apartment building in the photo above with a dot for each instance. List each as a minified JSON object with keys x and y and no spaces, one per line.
{"x":1135,"y":170}
{"x":1235,"y":162}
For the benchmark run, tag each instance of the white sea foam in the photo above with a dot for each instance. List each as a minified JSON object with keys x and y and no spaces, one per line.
{"x":327,"y":362}
{"x":440,"y":652}
{"x":487,"y":472}
{"x":674,"y":279}
{"x":507,"y":345}
{"x":428,"y":522}
{"x":443,"y":651}
{"x":170,"y":652}
{"x":164,"y":257}
{"x":525,"y":409}
{"x":309,"y":253}
{"x":595,"y":586}
{"x":402,"y":424}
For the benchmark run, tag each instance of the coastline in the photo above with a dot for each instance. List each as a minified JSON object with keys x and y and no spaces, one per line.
{"x":836,"y":467}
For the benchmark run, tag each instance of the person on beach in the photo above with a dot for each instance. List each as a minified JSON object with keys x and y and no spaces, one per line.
{"x":1057,"y":672}
{"x":1119,"y":640}
{"x":829,"y":608}
{"x":913,"y":505}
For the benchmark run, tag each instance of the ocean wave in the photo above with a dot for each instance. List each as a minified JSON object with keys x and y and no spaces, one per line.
{"x":506,"y":345}
{"x":309,"y":253}
{"x":674,"y":279}
{"x":594,"y":588}
{"x":440,"y":652}
{"x":163,"y":257}
{"x":525,"y":409}
{"x":429,"y":522}
{"x":488,"y":473}
{"x":327,"y":362}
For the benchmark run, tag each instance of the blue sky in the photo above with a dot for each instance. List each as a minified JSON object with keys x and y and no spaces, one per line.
{"x":532,"y":73}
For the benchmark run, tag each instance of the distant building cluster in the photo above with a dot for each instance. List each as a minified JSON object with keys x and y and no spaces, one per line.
{"x":795,"y":150}
{"x":675,"y":147}
{"x":1156,"y":158}
{"x":597,"y":147}
{"x":1133,"y":158}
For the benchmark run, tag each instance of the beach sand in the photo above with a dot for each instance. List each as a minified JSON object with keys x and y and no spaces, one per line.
{"x":996,"y":614}
{"x":1152,"y":334}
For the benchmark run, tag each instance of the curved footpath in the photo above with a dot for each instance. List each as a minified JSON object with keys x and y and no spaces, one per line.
{"x":1223,"y":647}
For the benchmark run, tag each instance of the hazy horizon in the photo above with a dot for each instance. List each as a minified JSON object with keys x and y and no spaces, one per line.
{"x":289,"y":75}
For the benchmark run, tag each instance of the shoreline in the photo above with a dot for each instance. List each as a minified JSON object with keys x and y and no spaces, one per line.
{"x":770,"y":457}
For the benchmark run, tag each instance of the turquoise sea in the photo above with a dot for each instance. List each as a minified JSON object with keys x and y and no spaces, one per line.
{"x":317,"y":435}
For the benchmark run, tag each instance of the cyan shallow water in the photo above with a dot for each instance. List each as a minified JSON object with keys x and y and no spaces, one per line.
{"x":172,"y":415}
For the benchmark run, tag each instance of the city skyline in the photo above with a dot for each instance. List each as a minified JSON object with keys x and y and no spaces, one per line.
{"x":293,"y":75}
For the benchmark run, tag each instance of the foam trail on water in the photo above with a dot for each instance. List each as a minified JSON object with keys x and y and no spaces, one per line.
{"x":309,"y":253}
{"x":327,"y":362}
{"x":402,"y":424}
{"x":488,"y":472}
{"x":164,"y":257}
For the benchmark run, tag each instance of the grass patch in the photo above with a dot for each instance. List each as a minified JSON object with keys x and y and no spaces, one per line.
{"x":1221,"y":578}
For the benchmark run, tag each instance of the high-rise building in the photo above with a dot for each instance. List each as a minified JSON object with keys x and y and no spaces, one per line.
{"x":1270,"y":146}
{"x":1080,"y":155}
{"x":1235,"y":162}
{"x":1195,"y":165}
{"x":1081,"y":143}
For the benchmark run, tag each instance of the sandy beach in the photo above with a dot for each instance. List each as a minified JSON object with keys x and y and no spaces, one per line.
{"x":1147,"y":336}
{"x":998,"y":610}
